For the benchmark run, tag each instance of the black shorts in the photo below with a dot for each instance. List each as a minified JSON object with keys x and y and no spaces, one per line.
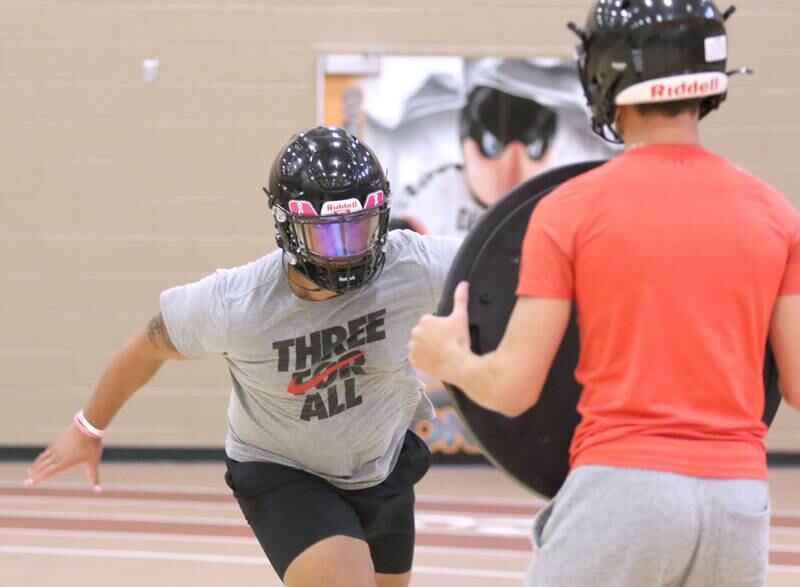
{"x":290,"y":510}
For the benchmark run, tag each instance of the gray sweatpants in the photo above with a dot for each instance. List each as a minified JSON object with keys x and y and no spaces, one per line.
{"x":617,"y":527}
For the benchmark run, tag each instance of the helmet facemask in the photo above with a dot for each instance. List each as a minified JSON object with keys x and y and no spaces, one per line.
{"x":600,"y":93}
{"x":339,"y":250}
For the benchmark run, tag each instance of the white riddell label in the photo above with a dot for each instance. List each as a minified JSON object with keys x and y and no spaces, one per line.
{"x":716,"y":48}
{"x":341,"y":207}
{"x":676,"y":87}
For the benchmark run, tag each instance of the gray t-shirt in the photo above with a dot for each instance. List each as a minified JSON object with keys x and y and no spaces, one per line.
{"x":323,"y":386}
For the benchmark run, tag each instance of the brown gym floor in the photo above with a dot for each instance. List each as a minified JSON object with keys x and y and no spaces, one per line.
{"x":176,"y":525}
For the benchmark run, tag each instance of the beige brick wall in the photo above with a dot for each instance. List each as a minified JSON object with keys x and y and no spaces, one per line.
{"x":111,"y":190}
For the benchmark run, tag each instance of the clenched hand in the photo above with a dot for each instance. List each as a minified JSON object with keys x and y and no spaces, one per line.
{"x":438,"y":344}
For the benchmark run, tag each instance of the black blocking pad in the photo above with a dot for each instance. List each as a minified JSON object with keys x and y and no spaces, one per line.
{"x":534,"y":447}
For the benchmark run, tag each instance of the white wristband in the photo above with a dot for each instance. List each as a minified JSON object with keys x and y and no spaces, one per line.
{"x":86,"y":427}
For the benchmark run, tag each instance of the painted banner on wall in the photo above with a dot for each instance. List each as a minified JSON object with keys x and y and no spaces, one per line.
{"x":455,"y":135}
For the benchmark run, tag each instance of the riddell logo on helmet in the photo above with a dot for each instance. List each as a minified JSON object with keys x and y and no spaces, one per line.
{"x":341,"y":207}
{"x":684,"y":90}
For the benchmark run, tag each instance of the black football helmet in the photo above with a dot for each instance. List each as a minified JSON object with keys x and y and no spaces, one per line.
{"x":330,"y":200}
{"x":648,"y":51}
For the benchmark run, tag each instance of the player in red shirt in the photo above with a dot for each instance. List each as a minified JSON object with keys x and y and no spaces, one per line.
{"x":681,"y":265}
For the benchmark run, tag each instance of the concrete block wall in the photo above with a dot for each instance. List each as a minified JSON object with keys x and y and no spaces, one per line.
{"x":112,"y":190}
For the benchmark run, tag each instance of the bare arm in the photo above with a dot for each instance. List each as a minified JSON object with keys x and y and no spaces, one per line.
{"x":133,"y":366}
{"x":785,"y":340}
{"x":508,"y":380}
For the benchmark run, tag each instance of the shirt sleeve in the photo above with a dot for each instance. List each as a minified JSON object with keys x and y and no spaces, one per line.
{"x":195,"y":316}
{"x":440,"y":250}
{"x":791,"y":275}
{"x":547,"y":264}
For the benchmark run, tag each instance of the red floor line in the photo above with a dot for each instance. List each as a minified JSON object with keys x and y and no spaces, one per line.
{"x":145,"y":495}
{"x":438,"y":505}
{"x":424,"y":538}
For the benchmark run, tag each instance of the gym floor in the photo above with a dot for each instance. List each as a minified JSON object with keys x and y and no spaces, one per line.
{"x":176,"y":524}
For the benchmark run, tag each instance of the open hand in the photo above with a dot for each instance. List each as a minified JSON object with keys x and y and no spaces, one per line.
{"x":70,"y":449}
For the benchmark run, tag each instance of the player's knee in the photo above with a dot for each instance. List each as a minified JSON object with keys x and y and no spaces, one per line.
{"x":339,"y":561}
{"x":385,"y":580}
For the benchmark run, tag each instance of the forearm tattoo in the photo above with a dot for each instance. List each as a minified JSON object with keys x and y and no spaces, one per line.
{"x":157,"y":333}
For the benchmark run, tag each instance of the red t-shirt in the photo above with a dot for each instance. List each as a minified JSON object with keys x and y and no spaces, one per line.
{"x":674,"y":257}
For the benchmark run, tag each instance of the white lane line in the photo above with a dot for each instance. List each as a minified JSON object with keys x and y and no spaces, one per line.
{"x":228,"y":559}
{"x":468,"y":572}
{"x":235,"y":540}
{"x":262,"y":561}
{"x":134,"y":487}
{"x":114,"y":501}
{"x":445,"y":522}
{"x":449,"y":518}
{"x":142,"y":536}
{"x":532,"y":502}
{"x":456,"y":551}
{"x":438,"y":523}
{"x":232,"y":540}
{"x":432,"y":515}
{"x":135,"y":554}
{"x":190,"y":490}
{"x":225,"y":559}
{"x":153,"y":519}
{"x":784,"y":569}
{"x":216,"y":490}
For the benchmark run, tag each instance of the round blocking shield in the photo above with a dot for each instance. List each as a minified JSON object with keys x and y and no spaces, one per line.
{"x":534,"y":447}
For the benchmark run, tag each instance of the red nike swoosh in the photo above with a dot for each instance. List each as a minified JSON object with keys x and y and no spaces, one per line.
{"x":300,"y":388}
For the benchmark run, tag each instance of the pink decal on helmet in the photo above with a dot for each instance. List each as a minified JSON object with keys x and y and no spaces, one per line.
{"x":302,"y":208}
{"x":374,"y":200}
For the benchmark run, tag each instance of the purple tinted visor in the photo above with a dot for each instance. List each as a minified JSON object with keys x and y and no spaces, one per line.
{"x":339,"y":237}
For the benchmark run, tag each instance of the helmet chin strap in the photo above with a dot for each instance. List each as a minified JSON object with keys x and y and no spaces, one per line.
{"x":289,"y":271}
